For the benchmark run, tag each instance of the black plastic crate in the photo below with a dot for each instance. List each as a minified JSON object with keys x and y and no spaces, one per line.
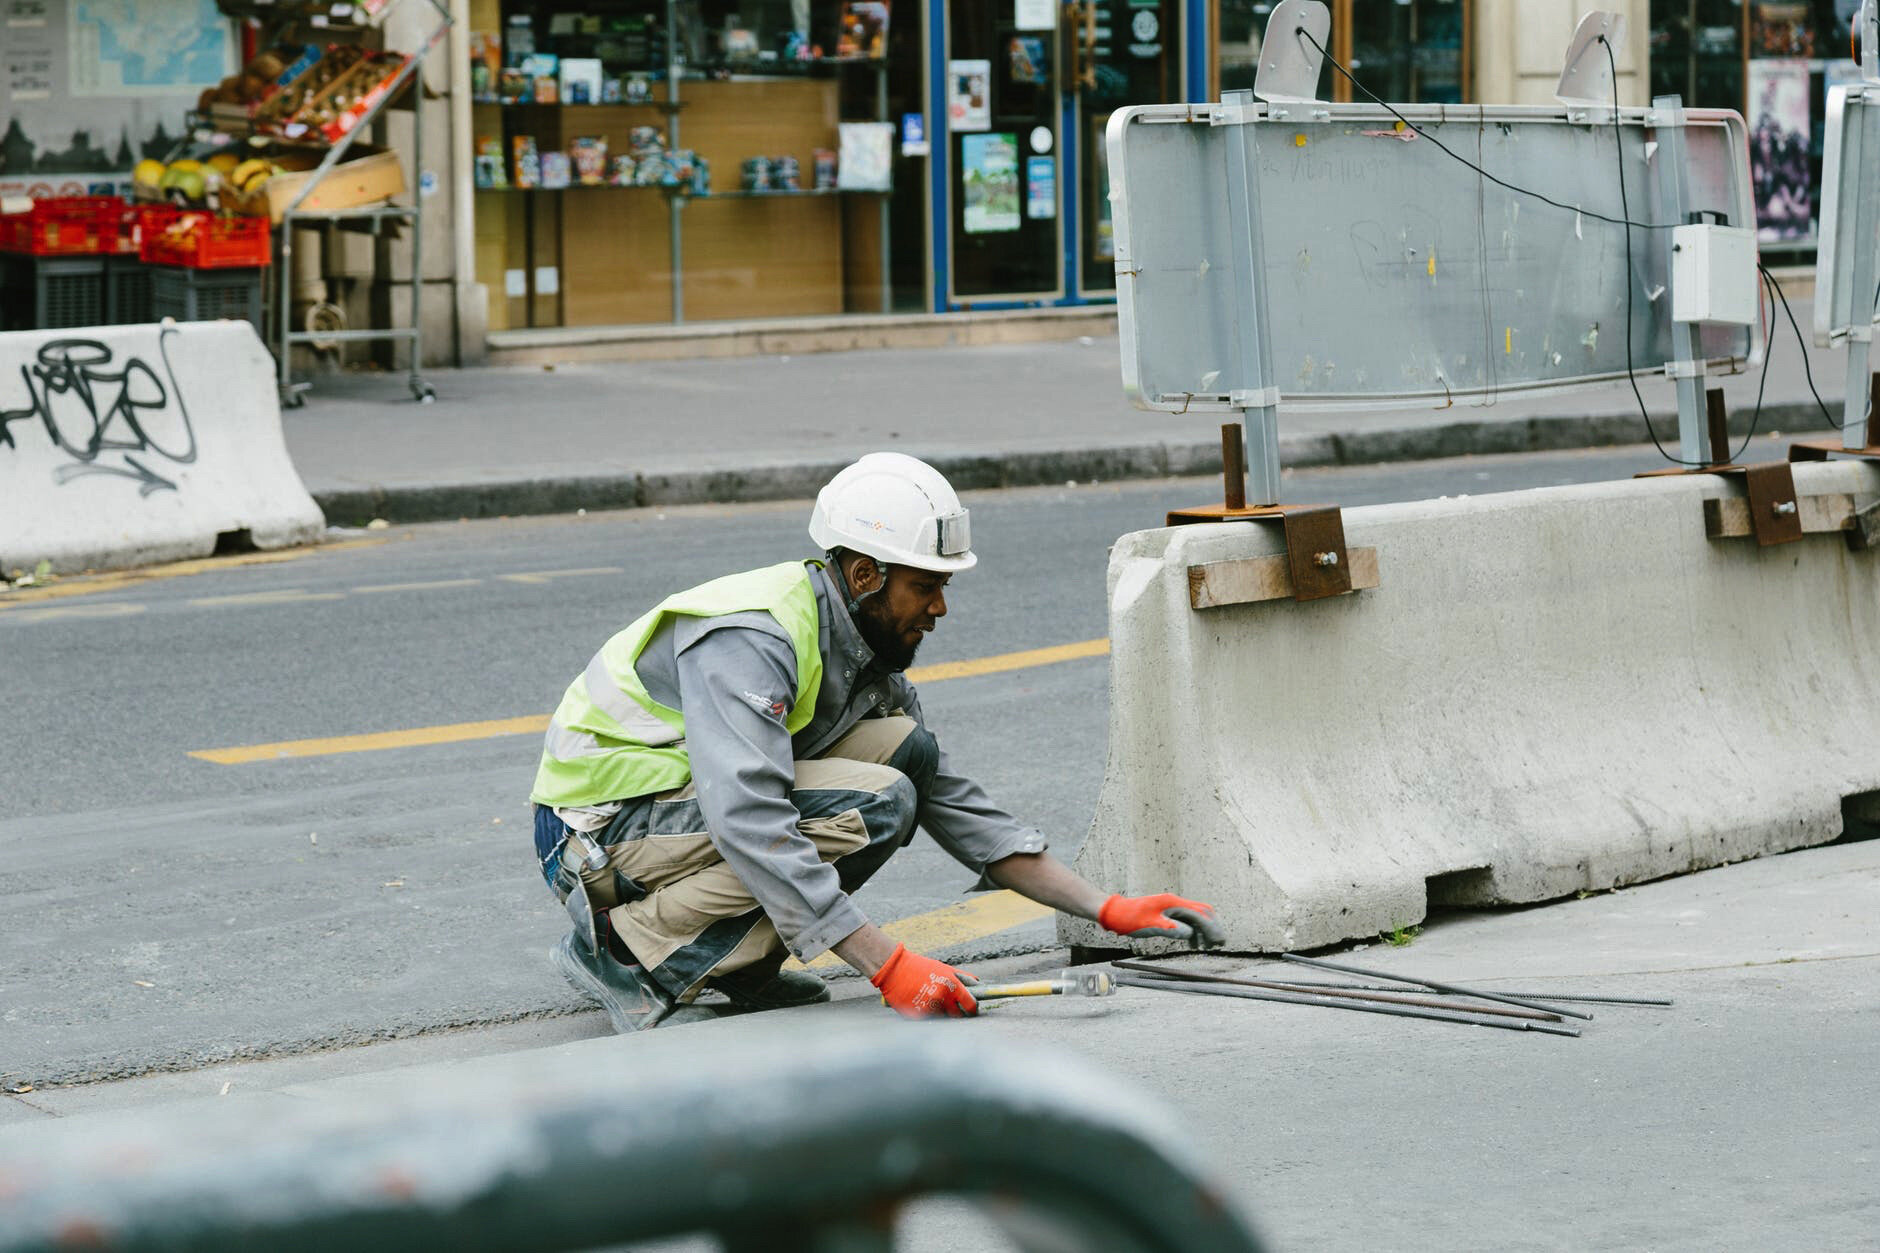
{"x":51,"y":293}
{"x":204,"y":295}
{"x":127,"y":291}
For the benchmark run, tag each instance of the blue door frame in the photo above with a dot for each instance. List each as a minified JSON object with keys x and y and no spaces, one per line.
{"x":1195,"y":47}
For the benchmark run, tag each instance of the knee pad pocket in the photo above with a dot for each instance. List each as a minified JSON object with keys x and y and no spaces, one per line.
{"x":918,"y":758}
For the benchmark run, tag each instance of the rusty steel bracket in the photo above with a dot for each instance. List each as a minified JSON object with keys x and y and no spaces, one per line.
{"x":1775,"y":513}
{"x":1821,"y":449}
{"x":1318,"y":563}
{"x":1774,"y":510}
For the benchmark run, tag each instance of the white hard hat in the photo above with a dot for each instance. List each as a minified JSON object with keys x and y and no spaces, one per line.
{"x":898,"y":510}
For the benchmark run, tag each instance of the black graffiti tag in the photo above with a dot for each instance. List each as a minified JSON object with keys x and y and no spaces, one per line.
{"x":108,"y":420}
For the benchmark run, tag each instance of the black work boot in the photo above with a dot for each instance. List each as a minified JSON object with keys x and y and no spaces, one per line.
{"x":632,"y":1000}
{"x":764,"y":985}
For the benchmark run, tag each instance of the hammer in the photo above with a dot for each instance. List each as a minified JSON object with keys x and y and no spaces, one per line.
{"x":1066,"y":983}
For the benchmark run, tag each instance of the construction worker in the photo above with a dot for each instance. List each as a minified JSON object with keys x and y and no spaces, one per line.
{"x":734,"y":764}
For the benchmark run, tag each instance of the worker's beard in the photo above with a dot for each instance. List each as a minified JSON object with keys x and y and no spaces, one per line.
{"x":883,"y":639}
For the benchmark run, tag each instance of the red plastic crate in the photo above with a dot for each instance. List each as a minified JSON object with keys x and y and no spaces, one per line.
{"x":63,"y":225}
{"x":207,"y":241}
{"x":140,"y":221}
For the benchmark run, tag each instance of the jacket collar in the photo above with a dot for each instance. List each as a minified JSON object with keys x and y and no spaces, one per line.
{"x":844,"y":638}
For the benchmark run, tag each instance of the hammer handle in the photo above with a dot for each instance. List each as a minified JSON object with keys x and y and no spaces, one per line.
{"x":999,"y":991}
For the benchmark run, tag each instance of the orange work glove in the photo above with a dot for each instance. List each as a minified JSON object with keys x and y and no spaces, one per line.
{"x":1163,"y":916}
{"x":920,"y":987}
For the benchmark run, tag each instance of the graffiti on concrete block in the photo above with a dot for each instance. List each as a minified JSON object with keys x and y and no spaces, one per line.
{"x":118,"y":418}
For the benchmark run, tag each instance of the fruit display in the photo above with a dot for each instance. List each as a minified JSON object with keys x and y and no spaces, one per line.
{"x":257,"y":81}
{"x":314,"y":79}
{"x":341,"y":88}
{"x":252,"y":173}
{"x":209,"y":182}
{"x":184,"y":181}
{"x":147,"y":177}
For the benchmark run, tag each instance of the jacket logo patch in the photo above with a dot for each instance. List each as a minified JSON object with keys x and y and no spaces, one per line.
{"x":765,"y":705}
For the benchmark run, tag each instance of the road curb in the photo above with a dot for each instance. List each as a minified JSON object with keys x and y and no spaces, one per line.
{"x":433,"y":502}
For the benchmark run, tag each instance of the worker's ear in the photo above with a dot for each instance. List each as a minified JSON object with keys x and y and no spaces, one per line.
{"x":865,"y":576}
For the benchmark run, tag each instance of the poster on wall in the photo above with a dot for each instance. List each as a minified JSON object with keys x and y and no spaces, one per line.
{"x":90,"y":87}
{"x":1034,"y":15}
{"x":1025,"y":61}
{"x":1782,"y":30}
{"x":865,"y":156}
{"x":989,"y":174}
{"x":969,"y":95}
{"x":1778,"y":148}
{"x":1040,"y":187}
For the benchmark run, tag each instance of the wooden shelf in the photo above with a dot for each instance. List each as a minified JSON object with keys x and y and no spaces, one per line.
{"x":664,"y":106}
{"x":585,"y":187}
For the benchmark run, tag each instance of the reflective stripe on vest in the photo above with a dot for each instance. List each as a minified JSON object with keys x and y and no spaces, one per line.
{"x":610,"y":740}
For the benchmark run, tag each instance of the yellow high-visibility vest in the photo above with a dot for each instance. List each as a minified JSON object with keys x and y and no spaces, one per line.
{"x":610,"y":740}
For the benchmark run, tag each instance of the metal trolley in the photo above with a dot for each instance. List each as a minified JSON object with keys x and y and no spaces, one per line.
{"x":375,"y":219}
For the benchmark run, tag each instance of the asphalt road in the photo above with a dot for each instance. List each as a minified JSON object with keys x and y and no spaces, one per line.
{"x":161,"y":911}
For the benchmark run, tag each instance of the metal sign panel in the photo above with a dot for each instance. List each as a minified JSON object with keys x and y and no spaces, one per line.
{"x":1849,"y":242}
{"x":1395,"y":275}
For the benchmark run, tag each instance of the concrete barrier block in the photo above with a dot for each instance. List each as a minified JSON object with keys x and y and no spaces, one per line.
{"x":1551,"y":691}
{"x":125,"y":445}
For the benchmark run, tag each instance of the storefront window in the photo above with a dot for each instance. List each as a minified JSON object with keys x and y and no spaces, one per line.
{"x":640,"y":161}
{"x":1242,"y":24}
{"x":1775,"y":63}
{"x":1408,"y":50}
{"x":1404,"y":50}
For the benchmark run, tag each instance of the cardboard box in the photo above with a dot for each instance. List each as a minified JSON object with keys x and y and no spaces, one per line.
{"x":361,"y":180}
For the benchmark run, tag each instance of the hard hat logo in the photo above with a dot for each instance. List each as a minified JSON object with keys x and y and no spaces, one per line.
{"x":898,"y":510}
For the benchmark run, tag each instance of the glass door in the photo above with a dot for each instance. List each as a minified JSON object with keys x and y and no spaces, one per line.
{"x":1121,"y":52}
{"x":1006,"y":233}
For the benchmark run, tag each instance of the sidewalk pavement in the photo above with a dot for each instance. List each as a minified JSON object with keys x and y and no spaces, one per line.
{"x":1741,"y":1117}
{"x":520,"y":440}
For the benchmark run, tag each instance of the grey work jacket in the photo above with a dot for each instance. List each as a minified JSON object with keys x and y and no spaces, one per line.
{"x":728,"y":676}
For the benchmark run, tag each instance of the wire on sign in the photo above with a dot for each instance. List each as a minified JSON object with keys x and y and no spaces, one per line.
{"x":1625,"y":220}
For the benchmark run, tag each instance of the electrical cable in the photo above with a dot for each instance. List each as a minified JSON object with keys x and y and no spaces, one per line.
{"x":1625,"y":209}
{"x":1452,"y":153}
{"x":1769,"y":339}
{"x":1623,"y":221}
{"x":1802,"y":345}
{"x":1716,"y":454}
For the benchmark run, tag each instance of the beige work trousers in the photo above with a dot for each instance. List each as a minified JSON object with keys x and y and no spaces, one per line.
{"x":697,"y":919}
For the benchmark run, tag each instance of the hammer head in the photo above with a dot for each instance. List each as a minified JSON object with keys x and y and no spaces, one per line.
{"x":1086,"y":981}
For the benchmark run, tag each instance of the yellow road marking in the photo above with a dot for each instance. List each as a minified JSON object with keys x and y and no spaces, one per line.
{"x":453,"y":734}
{"x":458,"y":732}
{"x":101,"y":609}
{"x":437,"y":585}
{"x":951,"y":924}
{"x":92,"y":584}
{"x":280,"y":596}
{"x":543,"y":576}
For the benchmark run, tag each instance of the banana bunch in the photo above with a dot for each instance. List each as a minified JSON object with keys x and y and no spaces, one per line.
{"x":250,"y":174}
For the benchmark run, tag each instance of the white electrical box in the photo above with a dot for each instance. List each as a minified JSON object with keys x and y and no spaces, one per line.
{"x":1713,"y":274}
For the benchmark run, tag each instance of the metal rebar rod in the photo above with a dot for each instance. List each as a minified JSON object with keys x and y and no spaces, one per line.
{"x":1389,"y":996}
{"x":1551,"y":996}
{"x":1363,"y":1007}
{"x":1452,"y":988}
